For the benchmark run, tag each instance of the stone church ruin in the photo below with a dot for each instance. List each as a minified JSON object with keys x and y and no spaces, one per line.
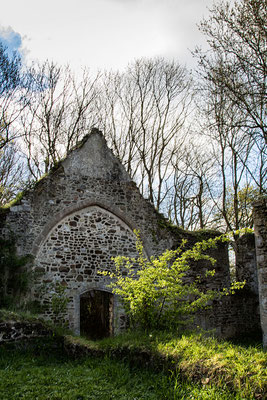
{"x":83,"y":213}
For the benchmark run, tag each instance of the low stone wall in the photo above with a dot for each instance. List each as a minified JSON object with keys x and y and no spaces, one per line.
{"x":12,"y":331}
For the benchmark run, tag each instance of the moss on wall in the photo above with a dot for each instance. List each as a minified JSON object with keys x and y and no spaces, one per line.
{"x":14,"y":279}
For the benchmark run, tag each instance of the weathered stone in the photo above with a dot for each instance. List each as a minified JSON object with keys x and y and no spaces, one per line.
{"x":260,"y":224}
{"x":39,"y":269}
{"x":246,"y":264}
{"x":11,"y":331}
{"x":84,"y":213}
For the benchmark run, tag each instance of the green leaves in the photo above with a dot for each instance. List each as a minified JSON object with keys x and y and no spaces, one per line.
{"x":59,"y":302}
{"x":157,"y":292}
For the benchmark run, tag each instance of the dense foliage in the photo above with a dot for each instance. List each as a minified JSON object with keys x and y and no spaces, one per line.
{"x":157,"y":293}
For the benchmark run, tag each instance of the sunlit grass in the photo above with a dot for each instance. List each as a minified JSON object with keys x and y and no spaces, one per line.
{"x":199,"y":358}
{"x":43,"y":375}
{"x":135,"y":365}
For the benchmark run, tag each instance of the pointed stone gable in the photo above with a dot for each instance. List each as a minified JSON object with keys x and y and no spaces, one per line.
{"x":92,"y":158}
{"x":76,"y":219}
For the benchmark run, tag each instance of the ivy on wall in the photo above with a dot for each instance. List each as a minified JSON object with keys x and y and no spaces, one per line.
{"x":14,"y":278}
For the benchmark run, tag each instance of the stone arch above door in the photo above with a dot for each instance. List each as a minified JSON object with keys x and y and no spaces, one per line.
{"x":56,"y":219}
{"x":77,"y":248}
{"x":83,"y":241}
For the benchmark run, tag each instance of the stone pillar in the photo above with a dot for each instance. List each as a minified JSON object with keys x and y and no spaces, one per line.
{"x":260,"y":226}
{"x":246,"y":264}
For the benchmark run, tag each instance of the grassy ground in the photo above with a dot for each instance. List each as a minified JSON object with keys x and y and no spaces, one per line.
{"x":197,"y":358}
{"x":46,"y":374}
{"x":196,"y":367}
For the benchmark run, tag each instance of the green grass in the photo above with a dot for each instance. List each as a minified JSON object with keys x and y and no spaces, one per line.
{"x":41,"y":373}
{"x":197,"y":358}
{"x":155,"y":365}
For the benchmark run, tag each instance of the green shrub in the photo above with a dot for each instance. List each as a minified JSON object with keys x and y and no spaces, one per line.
{"x":155,"y":291}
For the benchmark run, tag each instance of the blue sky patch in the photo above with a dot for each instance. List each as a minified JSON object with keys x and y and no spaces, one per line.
{"x":10,"y":39}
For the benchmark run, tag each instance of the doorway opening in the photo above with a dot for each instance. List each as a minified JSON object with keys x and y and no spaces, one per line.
{"x":96,"y":314}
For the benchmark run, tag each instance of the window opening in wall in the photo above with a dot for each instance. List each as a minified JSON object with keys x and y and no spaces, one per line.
{"x":96,"y":314}
{"x":232,"y":262}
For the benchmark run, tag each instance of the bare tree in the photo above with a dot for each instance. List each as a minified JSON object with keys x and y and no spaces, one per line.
{"x":232,"y":82}
{"x":236,"y":59}
{"x":189,"y":204}
{"x":144,"y":120}
{"x":233,"y":155}
{"x":12,"y":173}
{"x":61,"y":111}
{"x":15,"y":83}
{"x":117,"y":108}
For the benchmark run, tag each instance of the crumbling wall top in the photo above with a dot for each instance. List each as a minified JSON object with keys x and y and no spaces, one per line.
{"x":93,"y":158}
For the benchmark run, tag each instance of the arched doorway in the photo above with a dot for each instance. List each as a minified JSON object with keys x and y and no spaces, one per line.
{"x":73,"y":252}
{"x":96,"y":314}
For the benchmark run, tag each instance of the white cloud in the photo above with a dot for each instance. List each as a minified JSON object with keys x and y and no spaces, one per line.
{"x":105,"y":33}
{"x":10,"y":39}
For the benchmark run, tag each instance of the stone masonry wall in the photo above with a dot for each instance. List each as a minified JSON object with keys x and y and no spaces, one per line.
{"x":260,"y":226}
{"x":246,"y":264}
{"x":232,"y":316}
{"x":74,"y":252}
{"x":78,"y":217}
{"x":83,"y":213}
{"x":12,"y":331}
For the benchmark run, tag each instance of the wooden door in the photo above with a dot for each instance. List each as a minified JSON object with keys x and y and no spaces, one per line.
{"x":96,"y":314}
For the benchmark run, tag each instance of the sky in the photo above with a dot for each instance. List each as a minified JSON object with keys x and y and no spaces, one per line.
{"x":102,"y":34}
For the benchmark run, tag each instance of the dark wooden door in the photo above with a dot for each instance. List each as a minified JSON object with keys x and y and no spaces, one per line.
{"x":96,"y":314}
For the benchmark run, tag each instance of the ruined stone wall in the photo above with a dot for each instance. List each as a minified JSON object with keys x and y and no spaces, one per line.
{"x":74,"y":225}
{"x":83,"y":213}
{"x":12,"y":331}
{"x":246,"y":263}
{"x":260,"y":226}
{"x":77,"y":218}
{"x":232,"y":316}
{"x":59,"y":195}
